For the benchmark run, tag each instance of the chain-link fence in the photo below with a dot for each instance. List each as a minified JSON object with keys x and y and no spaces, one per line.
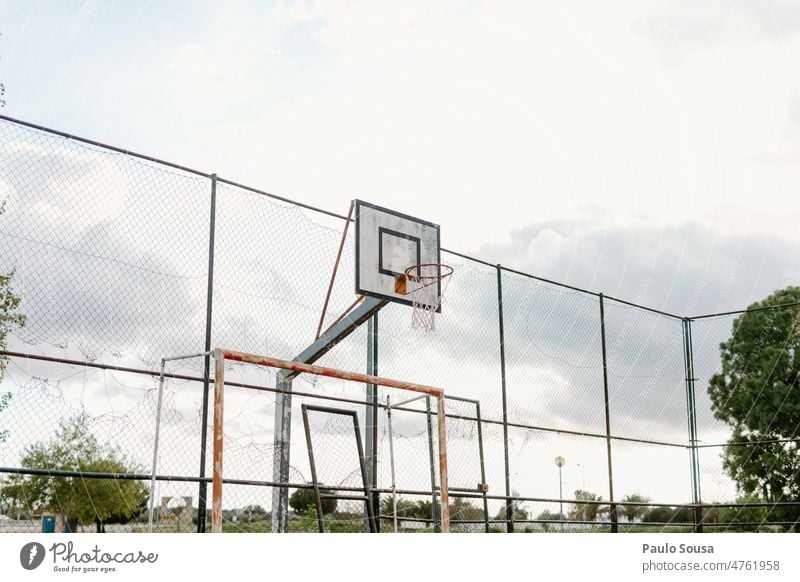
{"x":121,"y":260}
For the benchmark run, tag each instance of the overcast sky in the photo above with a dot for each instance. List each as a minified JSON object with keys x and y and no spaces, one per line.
{"x":649,"y":150}
{"x":558,"y":129}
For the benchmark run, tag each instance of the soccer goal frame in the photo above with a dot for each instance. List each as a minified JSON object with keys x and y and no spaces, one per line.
{"x":221,"y":355}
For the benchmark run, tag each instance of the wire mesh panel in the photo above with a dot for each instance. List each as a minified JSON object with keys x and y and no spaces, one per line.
{"x":746,"y":368}
{"x":464,"y":446}
{"x":553,"y":359}
{"x":333,"y":435}
{"x":465,"y":345}
{"x":646,"y":374}
{"x":110,"y":255}
{"x":655,"y":472}
{"x":707,"y":336}
{"x":67,"y":452}
{"x":414,"y":444}
{"x":535,"y":473}
{"x":272,"y":267}
{"x":717,"y":485}
{"x":713,"y":434}
{"x":110,"y":252}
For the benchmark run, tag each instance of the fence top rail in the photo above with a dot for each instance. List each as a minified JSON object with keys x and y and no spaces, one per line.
{"x":327,"y":372}
{"x":748,"y":310}
{"x":105,"y":146}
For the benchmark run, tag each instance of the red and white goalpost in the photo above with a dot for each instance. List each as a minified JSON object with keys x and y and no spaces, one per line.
{"x":220,"y":355}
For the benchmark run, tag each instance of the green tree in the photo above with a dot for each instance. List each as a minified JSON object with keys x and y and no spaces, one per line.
{"x":4,"y":399}
{"x":10,"y":318}
{"x":630,"y":511}
{"x":464,"y":510}
{"x":423,"y":510}
{"x":80,"y":499}
{"x":303,"y":499}
{"x":405,"y":508}
{"x":587,"y":511}
{"x":517,"y":510}
{"x":659,"y":514}
{"x":252,"y":513}
{"x":757,"y":392}
{"x":548,"y":516}
{"x":744,"y":518}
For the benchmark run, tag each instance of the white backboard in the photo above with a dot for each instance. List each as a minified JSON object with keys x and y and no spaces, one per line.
{"x":387,"y":243}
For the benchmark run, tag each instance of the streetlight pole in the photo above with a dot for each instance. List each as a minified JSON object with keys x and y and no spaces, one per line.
{"x":560,"y":462}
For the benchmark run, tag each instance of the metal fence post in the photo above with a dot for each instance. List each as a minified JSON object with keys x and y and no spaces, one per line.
{"x":691,"y":416}
{"x":371,"y":424}
{"x":436,"y":514}
{"x":612,"y":505}
{"x":281,"y":445}
{"x":203,"y":487}
{"x":483,"y":467}
{"x":509,"y":502}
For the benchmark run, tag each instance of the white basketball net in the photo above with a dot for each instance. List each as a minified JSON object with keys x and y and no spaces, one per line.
{"x":427,"y":285}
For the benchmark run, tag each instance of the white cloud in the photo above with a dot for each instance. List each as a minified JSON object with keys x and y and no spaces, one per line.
{"x":504,"y":123}
{"x":485,"y":119}
{"x":680,"y":27}
{"x":78,"y":190}
{"x":222,"y":74}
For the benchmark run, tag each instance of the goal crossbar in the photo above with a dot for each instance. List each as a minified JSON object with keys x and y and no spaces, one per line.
{"x":220,"y":355}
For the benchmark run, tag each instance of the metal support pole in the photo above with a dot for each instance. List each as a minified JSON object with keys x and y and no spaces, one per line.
{"x":560,"y":498}
{"x":335,"y":269}
{"x":219,"y":420}
{"x":509,"y":502}
{"x":371,"y":428}
{"x":312,"y":464}
{"x":691,"y":414}
{"x":155,"y":449}
{"x":283,"y":403}
{"x":444,"y":488}
{"x":612,"y":505}
{"x":203,"y":487}
{"x":280,"y":464}
{"x":484,"y":488}
{"x":391,"y":461}
{"x":435,"y":513}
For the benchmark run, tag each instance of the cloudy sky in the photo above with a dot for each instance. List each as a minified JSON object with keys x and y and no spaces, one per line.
{"x":649,"y":150}
{"x":596,"y":143}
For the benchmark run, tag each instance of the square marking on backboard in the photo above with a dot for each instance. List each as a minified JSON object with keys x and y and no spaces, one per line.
{"x":396,"y":251}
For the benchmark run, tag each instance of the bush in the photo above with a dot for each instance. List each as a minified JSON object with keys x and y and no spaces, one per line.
{"x":303,"y":499}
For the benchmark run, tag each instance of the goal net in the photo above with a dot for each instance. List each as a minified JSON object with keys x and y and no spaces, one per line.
{"x":222,"y":355}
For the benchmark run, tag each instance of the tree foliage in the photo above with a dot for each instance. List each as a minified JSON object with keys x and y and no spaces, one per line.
{"x":757,"y":392}
{"x":589,"y":511}
{"x":303,"y":499}
{"x":630,"y":511}
{"x":747,"y":518}
{"x":667,"y":514}
{"x":518,"y":510}
{"x":4,"y":399}
{"x":80,"y":499}
{"x":547,"y":516}
{"x":407,"y":508}
{"x":10,"y":318}
{"x":460,"y":509}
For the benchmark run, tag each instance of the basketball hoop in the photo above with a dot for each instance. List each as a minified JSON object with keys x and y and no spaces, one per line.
{"x":426,"y":284}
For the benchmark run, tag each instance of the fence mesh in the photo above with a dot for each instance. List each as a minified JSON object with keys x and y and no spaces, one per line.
{"x":110,"y":255}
